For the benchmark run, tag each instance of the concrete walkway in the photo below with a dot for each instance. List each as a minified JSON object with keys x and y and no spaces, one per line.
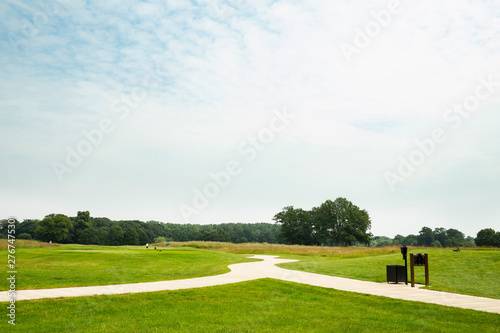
{"x":267,"y":269}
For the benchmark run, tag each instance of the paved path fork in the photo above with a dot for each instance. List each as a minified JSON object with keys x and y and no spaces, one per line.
{"x":267,"y":269}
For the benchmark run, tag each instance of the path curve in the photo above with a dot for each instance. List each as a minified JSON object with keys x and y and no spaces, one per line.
{"x":267,"y":269}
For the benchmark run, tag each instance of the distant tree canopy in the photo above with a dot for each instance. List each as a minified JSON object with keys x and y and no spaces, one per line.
{"x":488,"y":237}
{"x":84,"y":229}
{"x":54,"y":227}
{"x":80,"y":223}
{"x":338,"y":222}
{"x":439,"y":237}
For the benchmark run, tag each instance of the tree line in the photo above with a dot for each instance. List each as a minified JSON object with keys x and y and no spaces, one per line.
{"x":84,"y":229}
{"x":336,"y":222}
{"x":441,"y":237}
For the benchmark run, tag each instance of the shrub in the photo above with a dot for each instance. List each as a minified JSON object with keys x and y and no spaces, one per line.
{"x":436,"y":243}
{"x":24,"y":236}
{"x":160,"y":240}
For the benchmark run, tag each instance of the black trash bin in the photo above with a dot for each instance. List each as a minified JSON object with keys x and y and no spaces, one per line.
{"x":396,"y":273}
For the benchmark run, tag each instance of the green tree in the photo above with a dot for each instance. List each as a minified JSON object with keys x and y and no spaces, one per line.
{"x":88,"y":236}
{"x":436,"y":243}
{"x":334,"y":222}
{"x":214,"y":236}
{"x":411,"y":240}
{"x":440,"y":235}
{"x":486,"y":237}
{"x":4,"y":228}
{"x":101,"y":222}
{"x":80,"y":223}
{"x":357,"y":227}
{"x":296,"y":226}
{"x":54,"y":227}
{"x":426,"y":236}
{"x":399,"y":240}
{"x":380,"y":241}
{"x":469,"y":242}
{"x":115,"y":235}
{"x":24,"y":236}
{"x":454,"y":238}
{"x":160,"y":239}
{"x":28,"y":226}
{"x":327,"y":223}
{"x":143,"y":237}
{"x":342,"y":222}
{"x":102,"y":236}
{"x":130,"y":237}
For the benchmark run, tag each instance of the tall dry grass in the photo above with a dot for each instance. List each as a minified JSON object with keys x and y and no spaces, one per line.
{"x":265,"y":248}
{"x":24,"y":243}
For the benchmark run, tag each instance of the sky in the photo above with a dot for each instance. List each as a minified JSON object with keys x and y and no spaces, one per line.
{"x":228,"y":111}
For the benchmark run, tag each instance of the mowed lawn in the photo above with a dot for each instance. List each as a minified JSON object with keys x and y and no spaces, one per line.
{"x":470,"y":271}
{"x":264,"y":305}
{"x":78,"y":265}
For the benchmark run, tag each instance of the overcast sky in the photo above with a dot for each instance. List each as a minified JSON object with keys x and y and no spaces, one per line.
{"x":227,"y":111}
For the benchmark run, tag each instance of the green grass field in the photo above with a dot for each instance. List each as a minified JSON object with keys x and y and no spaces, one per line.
{"x":78,"y":265}
{"x":470,"y":271}
{"x":256,"y":306}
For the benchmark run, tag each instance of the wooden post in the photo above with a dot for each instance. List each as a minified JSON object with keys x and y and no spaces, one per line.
{"x":412,"y":270}
{"x":406,"y":271}
{"x":426,"y":269}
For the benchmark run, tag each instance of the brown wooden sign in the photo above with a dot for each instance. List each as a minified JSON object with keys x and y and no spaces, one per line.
{"x":419,"y":260}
